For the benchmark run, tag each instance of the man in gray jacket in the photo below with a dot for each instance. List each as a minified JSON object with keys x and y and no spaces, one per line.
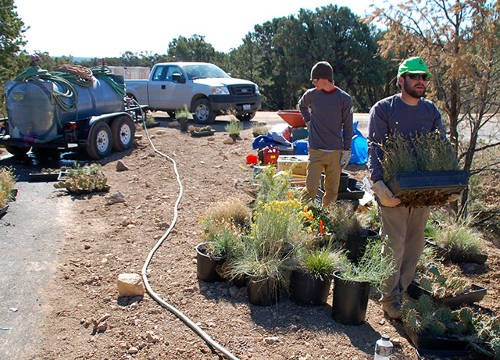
{"x":327,"y":111}
{"x":407,"y":113}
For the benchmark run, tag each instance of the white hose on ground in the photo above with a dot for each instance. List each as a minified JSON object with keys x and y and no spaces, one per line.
{"x":212,"y":343}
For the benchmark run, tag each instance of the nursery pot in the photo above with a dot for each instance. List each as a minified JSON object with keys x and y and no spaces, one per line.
{"x":206,"y":266}
{"x":350,"y":300}
{"x":305,"y":289}
{"x":356,"y":243}
{"x":263,"y":291}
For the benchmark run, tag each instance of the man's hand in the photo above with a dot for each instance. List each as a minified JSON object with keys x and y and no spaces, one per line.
{"x":385,"y":195}
{"x":346,"y":156}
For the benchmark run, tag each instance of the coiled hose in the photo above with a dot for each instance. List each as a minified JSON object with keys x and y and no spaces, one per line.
{"x":212,"y":343}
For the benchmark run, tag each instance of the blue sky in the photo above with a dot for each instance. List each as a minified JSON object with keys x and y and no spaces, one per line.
{"x":99,"y":28}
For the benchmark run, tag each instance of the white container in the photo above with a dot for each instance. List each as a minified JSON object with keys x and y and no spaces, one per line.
{"x":383,"y":348}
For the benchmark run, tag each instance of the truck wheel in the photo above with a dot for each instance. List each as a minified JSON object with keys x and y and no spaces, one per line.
{"x":17,"y":151}
{"x":245,"y":116}
{"x":122,"y":130}
{"x":99,"y":141}
{"x":203,"y":113}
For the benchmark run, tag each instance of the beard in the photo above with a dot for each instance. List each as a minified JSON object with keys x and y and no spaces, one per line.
{"x":412,"y":91}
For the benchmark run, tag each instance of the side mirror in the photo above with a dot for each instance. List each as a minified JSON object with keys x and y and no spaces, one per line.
{"x":178,"y":78}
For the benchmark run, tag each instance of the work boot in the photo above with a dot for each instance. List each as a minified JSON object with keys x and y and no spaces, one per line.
{"x":392,"y":309}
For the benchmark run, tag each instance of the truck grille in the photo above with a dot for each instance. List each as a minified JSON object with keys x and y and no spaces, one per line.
{"x":242,"y":90}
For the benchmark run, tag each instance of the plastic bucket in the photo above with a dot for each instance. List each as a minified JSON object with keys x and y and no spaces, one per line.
{"x":301,"y":147}
{"x":252,"y":159}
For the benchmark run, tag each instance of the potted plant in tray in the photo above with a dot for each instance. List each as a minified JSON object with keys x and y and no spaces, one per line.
{"x":422,"y":170}
{"x":443,"y":283}
{"x":352,"y":281}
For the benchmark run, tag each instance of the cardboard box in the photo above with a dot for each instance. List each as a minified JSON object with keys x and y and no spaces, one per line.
{"x":297,"y":164}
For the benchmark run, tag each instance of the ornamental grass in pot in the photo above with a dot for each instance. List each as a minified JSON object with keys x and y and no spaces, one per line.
{"x":311,"y":277}
{"x":269,"y":249}
{"x":223,"y":226}
{"x":352,"y":281}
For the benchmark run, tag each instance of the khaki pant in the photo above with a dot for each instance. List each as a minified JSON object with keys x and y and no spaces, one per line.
{"x":329,"y":163}
{"x":404,"y":227}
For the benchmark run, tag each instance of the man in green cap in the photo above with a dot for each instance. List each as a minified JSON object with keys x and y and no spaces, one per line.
{"x":407,"y":113}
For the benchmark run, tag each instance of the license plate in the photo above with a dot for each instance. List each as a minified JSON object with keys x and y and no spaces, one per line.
{"x":247,"y":107}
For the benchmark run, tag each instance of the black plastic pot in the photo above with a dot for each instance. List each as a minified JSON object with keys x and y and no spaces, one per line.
{"x":356,"y":243}
{"x":206,"y":266}
{"x":350,"y":300}
{"x":344,"y":181}
{"x":263,"y":291}
{"x":305,"y":289}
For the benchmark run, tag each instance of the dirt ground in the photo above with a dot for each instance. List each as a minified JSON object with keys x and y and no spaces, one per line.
{"x":107,"y":240}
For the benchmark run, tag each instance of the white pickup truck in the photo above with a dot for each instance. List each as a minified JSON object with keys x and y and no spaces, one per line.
{"x":204,"y":88}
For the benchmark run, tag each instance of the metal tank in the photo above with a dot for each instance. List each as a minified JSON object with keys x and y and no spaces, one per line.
{"x":38,"y":108}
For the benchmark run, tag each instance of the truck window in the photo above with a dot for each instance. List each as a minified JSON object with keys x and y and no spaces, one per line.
{"x":160,"y":73}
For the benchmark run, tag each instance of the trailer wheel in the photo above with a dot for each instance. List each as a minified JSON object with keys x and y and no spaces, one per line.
{"x":99,"y":141}
{"x":203,"y":113}
{"x":17,"y":151}
{"x":122,"y":130}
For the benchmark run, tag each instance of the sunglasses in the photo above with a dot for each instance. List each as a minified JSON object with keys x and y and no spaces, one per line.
{"x":424,"y":77}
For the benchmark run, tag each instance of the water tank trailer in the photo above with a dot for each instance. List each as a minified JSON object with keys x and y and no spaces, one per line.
{"x":48,"y":111}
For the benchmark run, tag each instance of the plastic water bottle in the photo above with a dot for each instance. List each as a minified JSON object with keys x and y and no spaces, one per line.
{"x":383,"y":348}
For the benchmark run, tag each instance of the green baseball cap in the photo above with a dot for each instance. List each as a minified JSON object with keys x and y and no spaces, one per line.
{"x":413,"y":65}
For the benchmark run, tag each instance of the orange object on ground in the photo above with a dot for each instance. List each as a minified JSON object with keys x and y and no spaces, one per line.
{"x":252,"y":159}
{"x":293,"y":117}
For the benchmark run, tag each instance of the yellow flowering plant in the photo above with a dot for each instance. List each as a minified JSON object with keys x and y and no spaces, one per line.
{"x":277,"y":223}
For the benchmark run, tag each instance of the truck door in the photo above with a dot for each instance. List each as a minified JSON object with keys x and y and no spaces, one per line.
{"x":164,"y":92}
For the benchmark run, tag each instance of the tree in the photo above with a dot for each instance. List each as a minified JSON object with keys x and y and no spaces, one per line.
{"x":11,"y":41}
{"x":191,"y":49}
{"x":459,"y":39}
{"x":289,"y":46}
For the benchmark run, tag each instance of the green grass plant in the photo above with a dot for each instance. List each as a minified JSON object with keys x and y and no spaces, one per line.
{"x":374,"y":267}
{"x":234,"y":127}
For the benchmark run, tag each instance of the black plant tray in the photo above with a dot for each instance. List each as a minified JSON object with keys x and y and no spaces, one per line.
{"x":43,"y":177}
{"x":351,"y":194}
{"x":476,"y":293}
{"x":450,"y":346}
{"x":3,"y":211}
{"x":202,"y":133}
{"x":427,"y":188}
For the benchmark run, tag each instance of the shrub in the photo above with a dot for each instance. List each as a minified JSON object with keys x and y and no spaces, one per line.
{"x":232,"y":211}
{"x":7,"y":184}
{"x":83,"y":179}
